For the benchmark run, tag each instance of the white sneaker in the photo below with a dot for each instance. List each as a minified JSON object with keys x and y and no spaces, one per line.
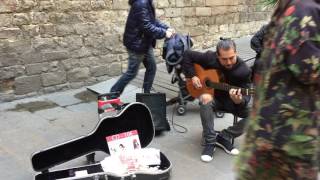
{"x":207,"y":153}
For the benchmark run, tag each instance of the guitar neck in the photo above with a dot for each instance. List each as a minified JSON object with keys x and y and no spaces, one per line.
{"x":225,"y":87}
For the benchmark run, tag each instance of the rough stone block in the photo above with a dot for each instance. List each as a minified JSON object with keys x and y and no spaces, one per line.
{"x":203,"y":11}
{"x":55,"y":55}
{"x":223,"y":27}
{"x":191,"y":21}
{"x":228,"y":18}
{"x":189,"y":11}
{"x":213,"y":29}
{"x":18,"y":46}
{"x":207,"y":20}
{"x":236,"y":18}
{"x":31,"y":56}
{"x":46,"y":5}
{"x":219,"y":10}
{"x":4,"y":97}
{"x":53,"y":78}
{"x":30,"y":31}
{"x":183,"y":3}
{"x":71,"y":63}
{"x":9,"y":33}
{"x":197,"y":31}
{"x":219,"y":19}
{"x":71,"y":42}
{"x":231,"y":2}
{"x":78,"y":74}
{"x":197,"y":2}
{"x":173,"y":12}
{"x":55,"y":66}
{"x":63,"y":30}
{"x":81,"y":5}
{"x":177,"y":22}
{"x":123,"y":57}
{"x":7,"y":73}
{"x":6,"y":19}
{"x":63,"y":5}
{"x":72,"y":17}
{"x":9,"y":59}
{"x":163,"y":4}
{"x":40,"y":44}
{"x":120,"y":4}
{"x":160,"y":14}
{"x":98,"y":4}
{"x":80,"y":53}
{"x":61,"y":87}
{"x":172,"y":3}
{"x":109,"y":58}
{"x":7,"y":6}
{"x":76,"y":85}
{"x":104,"y":44}
{"x":12,"y":71}
{"x":39,"y":17}
{"x":99,"y":70}
{"x":50,"y":89}
{"x":215,"y":2}
{"x":47,"y":30}
{"x":37,"y":68}
{"x":114,"y":69}
{"x":26,"y":5}
{"x":7,"y":85}
{"x":90,"y":61}
{"x":243,"y":17}
{"x":21,"y":19}
{"x":27,"y":84}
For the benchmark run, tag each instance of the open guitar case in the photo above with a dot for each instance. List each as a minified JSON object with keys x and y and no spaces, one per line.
{"x":135,"y":116}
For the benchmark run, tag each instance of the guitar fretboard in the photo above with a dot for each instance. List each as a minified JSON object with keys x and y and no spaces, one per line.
{"x":226,"y":87}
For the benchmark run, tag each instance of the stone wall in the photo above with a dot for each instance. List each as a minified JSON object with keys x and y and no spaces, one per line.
{"x":53,"y":45}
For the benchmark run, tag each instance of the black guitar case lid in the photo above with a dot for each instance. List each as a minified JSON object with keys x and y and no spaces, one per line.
{"x":135,"y":116}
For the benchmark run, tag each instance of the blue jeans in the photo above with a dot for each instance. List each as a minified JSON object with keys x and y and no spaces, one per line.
{"x":134,"y":62}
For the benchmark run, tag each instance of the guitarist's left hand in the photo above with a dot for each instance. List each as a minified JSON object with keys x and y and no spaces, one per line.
{"x":235,"y":95}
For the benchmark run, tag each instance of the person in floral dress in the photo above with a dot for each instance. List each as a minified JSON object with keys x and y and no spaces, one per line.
{"x":282,"y":135}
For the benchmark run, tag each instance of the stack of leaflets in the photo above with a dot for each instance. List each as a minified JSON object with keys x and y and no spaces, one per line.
{"x":127,"y":155}
{"x":123,"y":146}
{"x":127,"y":141}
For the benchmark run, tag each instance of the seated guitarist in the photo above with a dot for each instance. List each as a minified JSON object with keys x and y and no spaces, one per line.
{"x":235,"y":72}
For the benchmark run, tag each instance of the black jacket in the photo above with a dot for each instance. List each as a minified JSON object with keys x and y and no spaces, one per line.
{"x":142,"y":28}
{"x":257,"y":41}
{"x":239,"y":75}
{"x":257,"y":45}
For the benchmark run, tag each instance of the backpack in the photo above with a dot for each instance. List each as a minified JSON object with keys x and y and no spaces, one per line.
{"x":174,"y":48}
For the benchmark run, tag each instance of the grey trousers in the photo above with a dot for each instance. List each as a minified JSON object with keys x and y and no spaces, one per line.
{"x":207,"y":120}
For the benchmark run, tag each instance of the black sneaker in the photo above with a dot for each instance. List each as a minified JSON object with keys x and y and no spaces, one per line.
{"x":207,"y":153}
{"x":226,"y":145}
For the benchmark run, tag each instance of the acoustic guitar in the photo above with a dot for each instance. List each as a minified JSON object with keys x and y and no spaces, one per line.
{"x":210,"y":81}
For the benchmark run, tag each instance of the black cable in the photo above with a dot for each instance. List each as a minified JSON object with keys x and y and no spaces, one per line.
{"x":174,"y":125}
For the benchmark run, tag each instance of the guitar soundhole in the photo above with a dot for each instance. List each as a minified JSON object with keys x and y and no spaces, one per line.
{"x":205,"y":83}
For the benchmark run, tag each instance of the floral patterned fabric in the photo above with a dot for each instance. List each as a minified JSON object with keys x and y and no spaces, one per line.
{"x":282,"y":138}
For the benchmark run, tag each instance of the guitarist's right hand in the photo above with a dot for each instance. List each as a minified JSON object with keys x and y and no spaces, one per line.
{"x":196,"y":82}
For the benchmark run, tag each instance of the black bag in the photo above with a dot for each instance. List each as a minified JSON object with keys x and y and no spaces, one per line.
{"x":157,"y":105}
{"x":135,"y":116}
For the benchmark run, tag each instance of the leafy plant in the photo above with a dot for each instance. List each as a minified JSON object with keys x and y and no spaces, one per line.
{"x":268,"y":2}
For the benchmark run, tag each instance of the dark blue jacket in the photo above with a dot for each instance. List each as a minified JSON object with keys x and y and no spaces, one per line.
{"x":142,"y":28}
